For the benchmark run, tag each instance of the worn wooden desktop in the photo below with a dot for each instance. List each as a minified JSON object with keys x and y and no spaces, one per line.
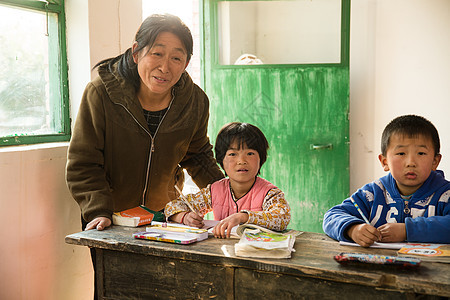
{"x":129,"y":268}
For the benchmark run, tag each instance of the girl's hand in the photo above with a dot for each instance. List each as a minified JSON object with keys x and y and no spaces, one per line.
{"x":364,"y":234}
{"x":190,"y":219}
{"x":99,"y":223}
{"x":393,"y":232}
{"x":223,"y":229}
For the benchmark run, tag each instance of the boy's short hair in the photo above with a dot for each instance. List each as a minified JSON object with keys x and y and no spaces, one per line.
{"x":410,"y":126}
{"x":242,"y":133}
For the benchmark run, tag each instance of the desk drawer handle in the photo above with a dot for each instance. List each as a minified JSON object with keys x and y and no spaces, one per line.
{"x":322,"y":146}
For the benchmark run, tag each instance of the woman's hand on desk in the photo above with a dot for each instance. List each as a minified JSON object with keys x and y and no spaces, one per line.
{"x":364,"y":234}
{"x":99,"y":223}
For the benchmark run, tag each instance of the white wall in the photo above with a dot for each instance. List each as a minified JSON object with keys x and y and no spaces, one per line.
{"x":399,"y":64}
{"x":96,"y":30}
{"x":37,"y":213}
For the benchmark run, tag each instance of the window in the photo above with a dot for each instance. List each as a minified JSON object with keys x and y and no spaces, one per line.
{"x":279,"y":32}
{"x":33,"y":72}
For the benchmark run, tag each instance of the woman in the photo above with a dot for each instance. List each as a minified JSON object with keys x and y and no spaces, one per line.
{"x":139,"y":124}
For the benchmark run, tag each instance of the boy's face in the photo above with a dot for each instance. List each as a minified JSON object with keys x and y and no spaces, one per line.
{"x":241,"y":165}
{"x":410,"y":161}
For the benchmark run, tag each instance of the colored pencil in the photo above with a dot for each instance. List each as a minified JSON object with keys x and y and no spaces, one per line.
{"x":185,"y":200}
{"x":360,"y":211}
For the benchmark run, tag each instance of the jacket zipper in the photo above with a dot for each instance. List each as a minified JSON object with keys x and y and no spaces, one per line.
{"x":152,"y":145}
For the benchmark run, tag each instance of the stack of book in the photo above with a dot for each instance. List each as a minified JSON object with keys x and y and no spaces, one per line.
{"x":260,"y":242}
{"x":133,"y":217}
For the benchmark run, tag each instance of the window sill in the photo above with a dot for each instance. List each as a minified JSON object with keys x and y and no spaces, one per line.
{"x":23,"y":148}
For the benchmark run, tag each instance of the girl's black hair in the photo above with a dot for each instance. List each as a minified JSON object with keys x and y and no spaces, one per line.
{"x":241,"y":133}
{"x":146,"y":35}
{"x":410,"y":126}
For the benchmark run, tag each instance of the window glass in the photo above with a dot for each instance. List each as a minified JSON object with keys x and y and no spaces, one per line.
{"x":279,"y":32}
{"x":30,"y":76}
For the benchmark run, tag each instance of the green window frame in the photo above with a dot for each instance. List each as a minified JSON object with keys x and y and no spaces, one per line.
{"x":58,"y":92}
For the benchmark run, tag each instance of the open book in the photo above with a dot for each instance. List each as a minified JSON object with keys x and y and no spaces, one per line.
{"x":257,"y":241}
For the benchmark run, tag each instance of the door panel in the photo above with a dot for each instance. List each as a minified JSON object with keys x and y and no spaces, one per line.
{"x":302,"y":110}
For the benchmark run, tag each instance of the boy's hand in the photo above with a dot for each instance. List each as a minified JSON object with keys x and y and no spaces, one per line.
{"x":393,"y":232}
{"x":223,"y":229}
{"x":364,"y":234}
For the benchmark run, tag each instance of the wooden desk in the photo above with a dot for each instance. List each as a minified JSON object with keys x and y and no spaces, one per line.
{"x":129,"y":268}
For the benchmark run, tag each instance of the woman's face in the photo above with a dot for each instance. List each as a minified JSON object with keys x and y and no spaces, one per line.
{"x":161,"y":66}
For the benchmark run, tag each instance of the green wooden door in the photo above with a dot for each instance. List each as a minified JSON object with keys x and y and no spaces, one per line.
{"x":302,"y":108}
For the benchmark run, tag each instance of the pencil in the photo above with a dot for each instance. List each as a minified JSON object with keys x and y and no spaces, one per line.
{"x":360,"y":211}
{"x":185,"y":200}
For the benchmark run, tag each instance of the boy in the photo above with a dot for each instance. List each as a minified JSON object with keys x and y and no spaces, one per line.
{"x":410,"y":203}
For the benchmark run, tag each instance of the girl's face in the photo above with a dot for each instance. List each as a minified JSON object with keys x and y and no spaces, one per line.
{"x":161,"y":66}
{"x":410,"y":161}
{"x":241,"y":165}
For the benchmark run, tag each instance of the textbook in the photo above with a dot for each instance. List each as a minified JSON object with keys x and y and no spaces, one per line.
{"x":172,"y":233}
{"x":260,"y":242}
{"x":157,"y":215}
{"x":427,"y":252}
{"x":133,"y":217}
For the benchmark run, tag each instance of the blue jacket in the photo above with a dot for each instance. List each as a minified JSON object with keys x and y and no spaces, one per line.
{"x":428,"y":220}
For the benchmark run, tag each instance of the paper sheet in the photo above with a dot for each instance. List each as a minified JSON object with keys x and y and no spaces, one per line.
{"x":394,"y":246}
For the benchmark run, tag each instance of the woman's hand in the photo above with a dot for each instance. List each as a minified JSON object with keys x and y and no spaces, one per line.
{"x":223,"y":228}
{"x":99,"y":223}
{"x":364,"y":234}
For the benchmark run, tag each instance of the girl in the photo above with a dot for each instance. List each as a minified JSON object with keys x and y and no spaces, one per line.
{"x":242,"y":197}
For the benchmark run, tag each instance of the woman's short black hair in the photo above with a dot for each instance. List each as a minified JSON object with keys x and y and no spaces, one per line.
{"x":146,"y":35}
{"x":410,"y":126}
{"x":241,"y":133}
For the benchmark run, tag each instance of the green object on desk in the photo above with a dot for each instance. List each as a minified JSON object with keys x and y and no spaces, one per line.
{"x":157,"y":215}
